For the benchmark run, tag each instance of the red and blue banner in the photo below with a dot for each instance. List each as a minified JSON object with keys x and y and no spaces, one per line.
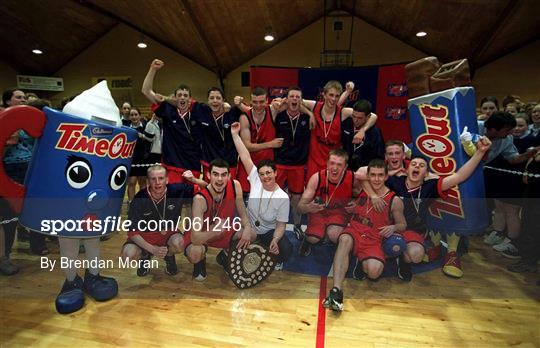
{"x":383,"y":86}
{"x":391,"y":105}
{"x":275,"y":80}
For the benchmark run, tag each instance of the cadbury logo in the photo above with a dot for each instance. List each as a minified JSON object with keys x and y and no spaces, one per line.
{"x":100,"y":131}
{"x":436,"y":145}
{"x":72,"y":139}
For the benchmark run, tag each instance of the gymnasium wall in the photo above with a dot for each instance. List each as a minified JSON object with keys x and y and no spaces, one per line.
{"x":370,"y":46}
{"x":516,"y":73}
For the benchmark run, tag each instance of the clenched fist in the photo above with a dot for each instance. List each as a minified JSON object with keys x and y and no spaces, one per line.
{"x":156,"y":64}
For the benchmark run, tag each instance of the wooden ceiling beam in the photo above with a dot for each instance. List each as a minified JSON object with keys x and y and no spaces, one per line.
{"x":376,"y":25}
{"x":506,"y":52}
{"x":68,"y":60}
{"x":218,"y":68}
{"x":113,"y":16}
{"x":331,"y":6}
{"x":494,"y":31}
{"x":257,"y":52}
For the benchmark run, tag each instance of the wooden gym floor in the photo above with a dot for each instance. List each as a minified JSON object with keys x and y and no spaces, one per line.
{"x":488,"y":307}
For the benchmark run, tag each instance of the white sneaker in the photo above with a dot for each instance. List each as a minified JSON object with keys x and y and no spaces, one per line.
{"x":494,"y":238}
{"x":506,"y":245}
{"x":278,"y":266}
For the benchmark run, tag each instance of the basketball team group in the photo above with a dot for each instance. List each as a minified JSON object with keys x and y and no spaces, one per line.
{"x":243,"y":171}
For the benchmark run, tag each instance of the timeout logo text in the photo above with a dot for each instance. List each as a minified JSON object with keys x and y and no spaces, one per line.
{"x":436,"y":145}
{"x":72,"y":139}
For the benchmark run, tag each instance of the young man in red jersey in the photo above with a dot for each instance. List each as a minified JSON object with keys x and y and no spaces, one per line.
{"x":365,"y":233}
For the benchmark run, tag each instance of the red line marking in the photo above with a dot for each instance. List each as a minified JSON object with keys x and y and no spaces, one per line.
{"x":321,"y":320}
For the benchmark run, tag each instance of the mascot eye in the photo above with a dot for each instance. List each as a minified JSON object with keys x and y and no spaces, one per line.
{"x":78,"y":174}
{"x":118,"y":177}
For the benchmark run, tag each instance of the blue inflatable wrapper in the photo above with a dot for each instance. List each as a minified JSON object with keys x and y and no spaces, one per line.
{"x":437,"y":121}
{"x":77,"y":176}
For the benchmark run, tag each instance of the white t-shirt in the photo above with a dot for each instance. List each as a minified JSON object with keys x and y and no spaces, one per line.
{"x":153,"y":128}
{"x":274,"y":206}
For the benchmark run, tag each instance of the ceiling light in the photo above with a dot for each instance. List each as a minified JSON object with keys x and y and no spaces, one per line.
{"x":269,"y":36}
{"x":142,"y":42}
{"x":37,"y":51}
{"x":421,"y":34}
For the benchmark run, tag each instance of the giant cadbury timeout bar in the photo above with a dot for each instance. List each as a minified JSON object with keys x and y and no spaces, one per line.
{"x":436,"y":122}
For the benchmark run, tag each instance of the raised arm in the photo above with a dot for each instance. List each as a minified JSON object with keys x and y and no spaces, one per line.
{"x":243,"y":152}
{"x":239,"y":103}
{"x":349,"y":87}
{"x":276,"y":106}
{"x":361,"y":173}
{"x":482,"y":146}
{"x":148,"y":83}
{"x":247,"y":235}
{"x":310,"y":104}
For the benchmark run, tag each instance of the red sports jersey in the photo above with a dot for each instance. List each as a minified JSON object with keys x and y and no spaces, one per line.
{"x":217,"y":214}
{"x":335,"y":195}
{"x":365,"y":215}
{"x":325,"y":137}
{"x":262,"y":134}
{"x":224,"y":209}
{"x":266,"y":132}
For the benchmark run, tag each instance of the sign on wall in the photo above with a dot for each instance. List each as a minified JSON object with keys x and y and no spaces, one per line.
{"x":115,"y":82}
{"x":40,"y":83}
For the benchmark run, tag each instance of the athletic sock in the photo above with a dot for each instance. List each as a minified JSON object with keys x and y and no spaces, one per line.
{"x":453,"y":241}
{"x":435,"y":237}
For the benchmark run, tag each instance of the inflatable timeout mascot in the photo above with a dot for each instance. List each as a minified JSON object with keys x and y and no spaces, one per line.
{"x":76,"y":179}
{"x":441,"y":104}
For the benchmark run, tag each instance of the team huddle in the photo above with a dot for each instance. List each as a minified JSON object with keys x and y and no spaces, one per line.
{"x":295,"y":156}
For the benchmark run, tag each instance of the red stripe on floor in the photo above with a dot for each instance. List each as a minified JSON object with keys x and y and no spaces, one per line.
{"x":321,"y":320}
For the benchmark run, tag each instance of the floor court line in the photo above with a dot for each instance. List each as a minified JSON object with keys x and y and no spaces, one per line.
{"x":321,"y":318}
